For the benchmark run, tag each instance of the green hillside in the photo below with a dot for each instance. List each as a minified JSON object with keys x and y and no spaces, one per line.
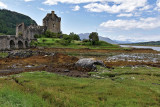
{"x":152,"y":43}
{"x":9,"y":19}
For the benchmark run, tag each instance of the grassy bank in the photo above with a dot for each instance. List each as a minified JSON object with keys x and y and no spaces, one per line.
{"x":59,"y":43}
{"x":44,"y":89}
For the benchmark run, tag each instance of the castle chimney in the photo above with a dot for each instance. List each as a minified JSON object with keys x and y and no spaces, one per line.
{"x":52,"y":12}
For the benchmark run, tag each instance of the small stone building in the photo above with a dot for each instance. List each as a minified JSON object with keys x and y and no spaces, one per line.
{"x":25,"y":34}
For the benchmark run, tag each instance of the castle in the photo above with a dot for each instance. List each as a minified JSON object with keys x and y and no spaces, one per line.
{"x":25,"y":34}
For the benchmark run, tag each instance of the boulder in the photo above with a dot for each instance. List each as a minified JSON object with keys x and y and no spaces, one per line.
{"x":88,"y":64}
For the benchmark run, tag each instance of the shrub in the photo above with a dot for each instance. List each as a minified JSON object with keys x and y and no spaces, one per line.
{"x":85,"y":40}
{"x":64,"y":42}
{"x":20,"y":34}
{"x":33,"y":43}
{"x":74,"y":36}
{"x":67,"y":38}
{"x":44,"y":40}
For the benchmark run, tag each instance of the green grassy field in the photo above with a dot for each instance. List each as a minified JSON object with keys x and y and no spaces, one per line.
{"x":42,"y":89}
{"x":56,"y":42}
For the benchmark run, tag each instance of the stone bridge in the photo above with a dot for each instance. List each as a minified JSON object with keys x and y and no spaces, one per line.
{"x":13,"y":42}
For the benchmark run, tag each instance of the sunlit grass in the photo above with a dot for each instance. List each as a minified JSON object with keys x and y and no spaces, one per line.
{"x":3,"y":54}
{"x":54,"y":90}
{"x":54,"y":42}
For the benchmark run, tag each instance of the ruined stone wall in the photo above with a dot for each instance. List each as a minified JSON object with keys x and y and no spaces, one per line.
{"x":3,"y":42}
{"x":13,"y":42}
{"x":30,"y":31}
{"x":52,"y":22}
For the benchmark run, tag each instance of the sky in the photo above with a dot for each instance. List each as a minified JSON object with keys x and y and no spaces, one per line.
{"x":122,"y":20}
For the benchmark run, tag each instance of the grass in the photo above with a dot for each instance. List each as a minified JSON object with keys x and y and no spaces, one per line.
{"x":3,"y":54}
{"x":1,"y":34}
{"x":48,"y":90}
{"x":55,"y":42}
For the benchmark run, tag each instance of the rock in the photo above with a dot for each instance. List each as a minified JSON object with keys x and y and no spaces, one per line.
{"x":66,"y":70}
{"x":21,"y":54}
{"x":88,"y":64}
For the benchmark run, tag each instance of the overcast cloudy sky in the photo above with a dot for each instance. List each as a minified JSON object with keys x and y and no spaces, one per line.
{"x":134,"y":20}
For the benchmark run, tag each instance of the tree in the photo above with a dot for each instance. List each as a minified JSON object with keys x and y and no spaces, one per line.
{"x":93,"y":38}
{"x":74,"y":36}
{"x":67,"y":38}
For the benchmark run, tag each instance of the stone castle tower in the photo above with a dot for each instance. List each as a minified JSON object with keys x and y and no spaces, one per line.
{"x":52,"y":22}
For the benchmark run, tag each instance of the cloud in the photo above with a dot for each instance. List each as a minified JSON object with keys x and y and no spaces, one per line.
{"x":42,"y":9}
{"x":157,"y":8}
{"x":28,"y":0}
{"x":142,"y":38}
{"x":55,"y":2}
{"x":125,"y":15}
{"x":158,"y":3}
{"x":111,"y":6}
{"x":118,"y":6}
{"x":143,"y":23}
{"x":76,"y":8}
{"x":2,"y":5}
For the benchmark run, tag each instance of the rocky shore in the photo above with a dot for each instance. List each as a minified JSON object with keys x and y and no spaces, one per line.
{"x":19,"y":61}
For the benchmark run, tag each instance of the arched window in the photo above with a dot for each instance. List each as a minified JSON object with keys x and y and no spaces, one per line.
{"x":12,"y":44}
{"x":20,"y":45}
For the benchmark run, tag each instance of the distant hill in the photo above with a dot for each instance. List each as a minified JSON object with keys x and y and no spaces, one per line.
{"x":148,"y":43}
{"x":123,"y":42}
{"x":86,"y":36}
{"x":9,"y":19}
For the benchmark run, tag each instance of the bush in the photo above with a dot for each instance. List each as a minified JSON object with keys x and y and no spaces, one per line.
{"x":44,"y":40}
{"x":64,"y":42}
{"x":20,"y":34}
{"x":74,"y":36}
{"x":33,"y":43}
{"x":67,"y":38}
{"x":85,"y":40}
{"x":50,"y":34}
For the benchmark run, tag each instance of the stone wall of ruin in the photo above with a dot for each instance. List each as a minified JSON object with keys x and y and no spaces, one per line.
{"x":7,"y":42}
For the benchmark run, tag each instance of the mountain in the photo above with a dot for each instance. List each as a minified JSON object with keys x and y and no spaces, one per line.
{"x":123,"y":42}
{"x":147,"y":43}
{"x":86,"y":36}
{"x":9,"y":19}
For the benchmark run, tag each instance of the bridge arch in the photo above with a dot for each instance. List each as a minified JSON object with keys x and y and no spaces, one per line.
{"x":20,"y":45}
{"x":12,"y":44}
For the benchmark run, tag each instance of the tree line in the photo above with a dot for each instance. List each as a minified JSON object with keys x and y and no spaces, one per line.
{"x":9,"y":20}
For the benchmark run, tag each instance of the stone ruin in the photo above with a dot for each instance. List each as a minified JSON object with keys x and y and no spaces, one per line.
{"x":25,"y":34}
